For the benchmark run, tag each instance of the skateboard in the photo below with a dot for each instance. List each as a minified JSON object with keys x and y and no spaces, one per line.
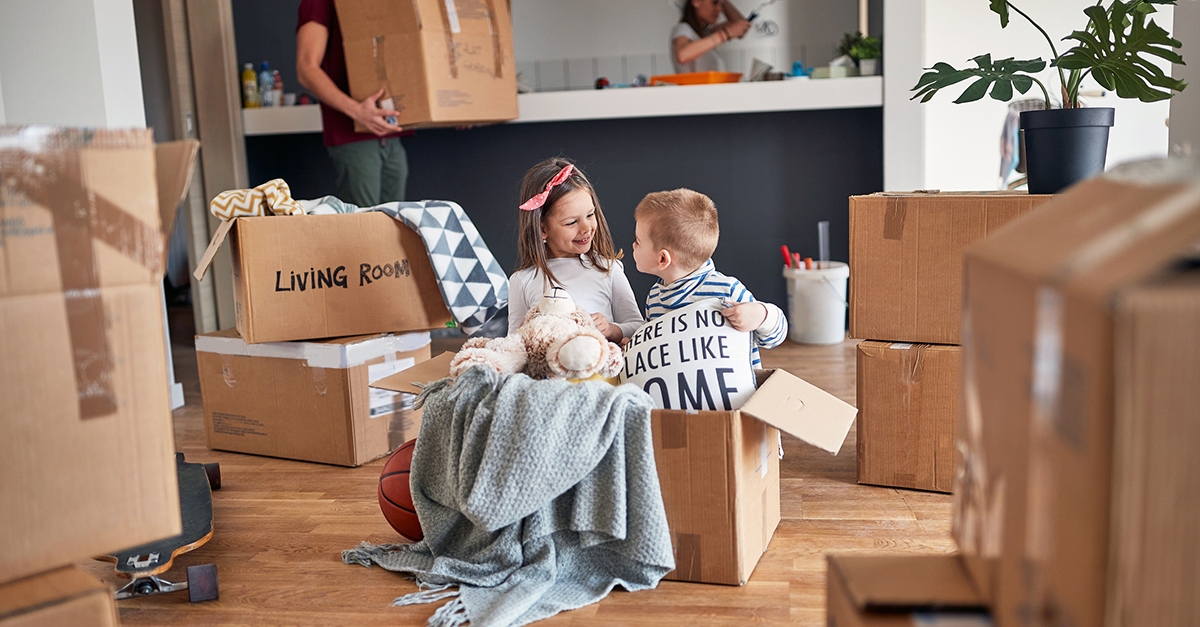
{"x":143,"y":564}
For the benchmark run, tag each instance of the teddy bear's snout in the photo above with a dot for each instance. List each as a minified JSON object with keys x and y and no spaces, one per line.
{"x":581,"y":353}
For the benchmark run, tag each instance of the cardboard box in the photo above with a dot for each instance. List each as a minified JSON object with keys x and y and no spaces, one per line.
{"x":309,"y":401}
{"x":67,"y":596}
{"x":1080,"y":405}
{"x":439,"y":62}
{"x":86,"y":441}
{"x":908,"y":409}
{"x":906,"y":259}
{"x":719,"y":470}
{"x":901,"y":590}
{"x":321,"y":276}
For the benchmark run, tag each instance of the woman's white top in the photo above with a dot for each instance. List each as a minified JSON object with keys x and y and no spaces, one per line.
{"x":590,"y":288}
{"x":708,"y":62}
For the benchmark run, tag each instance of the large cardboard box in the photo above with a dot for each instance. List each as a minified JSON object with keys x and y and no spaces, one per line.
{"x":309,"y":401}
{"x":906,"y":259}
{"x":908,"y":409}
{"x":86,"y":441}
{"x":321,"y":276}
{"x":64,"y":597}
{"x":439,"y":62}
{"x":719,"y":470}
{"x":901,"y":591}
{"x":1075,"y":493}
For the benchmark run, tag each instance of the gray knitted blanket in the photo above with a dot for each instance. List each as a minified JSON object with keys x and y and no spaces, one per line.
{"x":535,"y":497}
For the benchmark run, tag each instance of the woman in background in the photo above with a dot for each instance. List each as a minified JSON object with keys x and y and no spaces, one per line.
{"x":695,"y":39}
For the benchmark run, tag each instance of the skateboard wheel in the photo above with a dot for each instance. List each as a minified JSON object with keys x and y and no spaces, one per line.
{"x":213,"y":470}
{"x":202,"y":583}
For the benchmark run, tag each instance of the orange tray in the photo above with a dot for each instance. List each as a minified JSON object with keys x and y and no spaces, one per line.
{"x":697,"y":78}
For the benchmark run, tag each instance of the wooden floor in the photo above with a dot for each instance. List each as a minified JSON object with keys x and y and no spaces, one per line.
{"x":280,"y":527}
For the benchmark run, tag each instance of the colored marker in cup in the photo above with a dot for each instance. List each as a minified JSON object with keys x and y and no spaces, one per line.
{"x":808,"y":263}
{"x":787,"y":256}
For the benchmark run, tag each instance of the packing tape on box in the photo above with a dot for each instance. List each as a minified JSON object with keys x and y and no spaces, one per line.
{"x":43,"y":165}
{"x":978,"y":520}
{"x":316,"y":354}
{"x":450,"y":28}
{"x":893,"y":218}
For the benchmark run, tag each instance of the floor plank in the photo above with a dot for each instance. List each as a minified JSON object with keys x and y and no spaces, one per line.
{"x":280,"y":527}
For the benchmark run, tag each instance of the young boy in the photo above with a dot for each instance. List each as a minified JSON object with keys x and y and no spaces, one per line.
{"x":675,"y":236}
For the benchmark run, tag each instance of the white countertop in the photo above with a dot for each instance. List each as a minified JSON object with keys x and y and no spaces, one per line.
{"x":638,"y":102}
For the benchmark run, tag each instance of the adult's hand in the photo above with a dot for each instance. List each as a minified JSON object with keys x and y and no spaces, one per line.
{"x":736,"y":29}
{"x":371,"y":116}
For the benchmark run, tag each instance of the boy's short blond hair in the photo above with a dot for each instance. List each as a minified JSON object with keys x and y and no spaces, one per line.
{"x":682,"y":221}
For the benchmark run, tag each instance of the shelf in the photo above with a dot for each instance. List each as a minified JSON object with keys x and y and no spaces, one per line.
{"x":639,"y":102}
{"x":727,"y":98}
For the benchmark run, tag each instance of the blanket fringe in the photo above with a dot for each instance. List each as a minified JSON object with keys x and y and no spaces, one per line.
{"x":432,"y":595}
{"x":363,"y":553}
{"x":452,"y":614}
{"x":431,"y":388}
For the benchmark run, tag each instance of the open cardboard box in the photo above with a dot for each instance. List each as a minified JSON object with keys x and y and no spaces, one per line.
{"x":86,"y":441}
{"x":719,"y":470}
{"x":309,"y":277}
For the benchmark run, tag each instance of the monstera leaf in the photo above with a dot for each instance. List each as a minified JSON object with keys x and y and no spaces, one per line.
{"x":1001,"y":76}
{"x":1000,"y":7}
{"x":1116,"y":49}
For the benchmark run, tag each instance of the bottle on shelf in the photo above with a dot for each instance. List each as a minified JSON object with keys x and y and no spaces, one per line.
{"x":266,"y":86}
{"x":276,"y":89}
{"x":249,"y":87}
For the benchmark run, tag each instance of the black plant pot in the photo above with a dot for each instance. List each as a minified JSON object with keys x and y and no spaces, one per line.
{"x":1064,"y":146}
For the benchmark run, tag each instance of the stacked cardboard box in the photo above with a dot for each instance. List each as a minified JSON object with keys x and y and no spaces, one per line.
{"x":325,"y":305}
{"x":67,"y":596}
{"x":309,"y":401}
{"x":1075,"y":498}
{"x":719,"y":470}
{"x":906,"y":261}
{"x":901,"y":591}
{"x":86,"y":443}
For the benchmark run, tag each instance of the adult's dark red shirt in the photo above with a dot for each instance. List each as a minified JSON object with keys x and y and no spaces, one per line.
{"x":338,"y":128}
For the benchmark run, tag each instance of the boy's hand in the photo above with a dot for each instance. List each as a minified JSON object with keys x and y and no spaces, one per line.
{"x":745,"y":316}
{"x":611,"y":332}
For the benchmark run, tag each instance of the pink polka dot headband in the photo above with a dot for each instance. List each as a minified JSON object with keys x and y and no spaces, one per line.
{"x":539,"y":200}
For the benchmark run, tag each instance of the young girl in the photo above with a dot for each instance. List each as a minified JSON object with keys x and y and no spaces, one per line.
{"x":564,"y":242}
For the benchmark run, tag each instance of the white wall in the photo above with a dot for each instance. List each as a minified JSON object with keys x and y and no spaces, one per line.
{"x":70,"y":62}
{"x":959,"y":147}
{"x":566,"y":45}
{"x":1185,"y":108}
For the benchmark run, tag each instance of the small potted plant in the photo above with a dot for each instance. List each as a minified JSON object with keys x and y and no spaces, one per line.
{"x":865,"y":50}
{"x":1066,"y":145}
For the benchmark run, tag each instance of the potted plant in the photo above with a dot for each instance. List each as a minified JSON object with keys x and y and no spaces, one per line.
{"x":865,"y":50}
{"x":1066,"y":145}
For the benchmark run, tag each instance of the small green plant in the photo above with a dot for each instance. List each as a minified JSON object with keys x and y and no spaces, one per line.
{"x":1114,"y":49}
{"x":858,"y":47}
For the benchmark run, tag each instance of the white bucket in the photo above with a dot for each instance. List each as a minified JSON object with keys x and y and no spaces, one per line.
{"x":817,"y":303}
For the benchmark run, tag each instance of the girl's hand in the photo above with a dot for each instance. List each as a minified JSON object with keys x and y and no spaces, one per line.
{"x":746,"y":316}
{"x":611,"y":332}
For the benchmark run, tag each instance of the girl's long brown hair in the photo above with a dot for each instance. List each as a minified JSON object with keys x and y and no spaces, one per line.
{"x":531,"y":249}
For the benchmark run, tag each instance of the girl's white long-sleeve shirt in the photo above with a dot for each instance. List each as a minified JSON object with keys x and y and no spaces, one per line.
{"x":593,"y":289}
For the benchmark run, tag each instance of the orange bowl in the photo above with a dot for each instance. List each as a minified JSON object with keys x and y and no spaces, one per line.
{"x":697,"y":78}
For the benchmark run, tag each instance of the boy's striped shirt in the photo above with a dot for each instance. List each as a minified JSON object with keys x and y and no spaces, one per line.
{"x":706,"y":282}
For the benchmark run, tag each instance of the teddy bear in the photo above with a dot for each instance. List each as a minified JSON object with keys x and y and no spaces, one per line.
{"x":557,"y":339}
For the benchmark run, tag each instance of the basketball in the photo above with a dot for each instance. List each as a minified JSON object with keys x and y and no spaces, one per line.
{"x":394,"y":497}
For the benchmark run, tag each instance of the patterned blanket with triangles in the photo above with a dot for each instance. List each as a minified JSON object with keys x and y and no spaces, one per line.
{"x":473,"y":285}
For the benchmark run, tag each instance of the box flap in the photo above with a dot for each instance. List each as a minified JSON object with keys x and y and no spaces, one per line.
{"x":213,"y":246}
{"x":175,"y":161}
{"x":424,"y":372}
{"x":896,"y":583}
{"x":24,"y":595}
{"x":800,"y":408}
